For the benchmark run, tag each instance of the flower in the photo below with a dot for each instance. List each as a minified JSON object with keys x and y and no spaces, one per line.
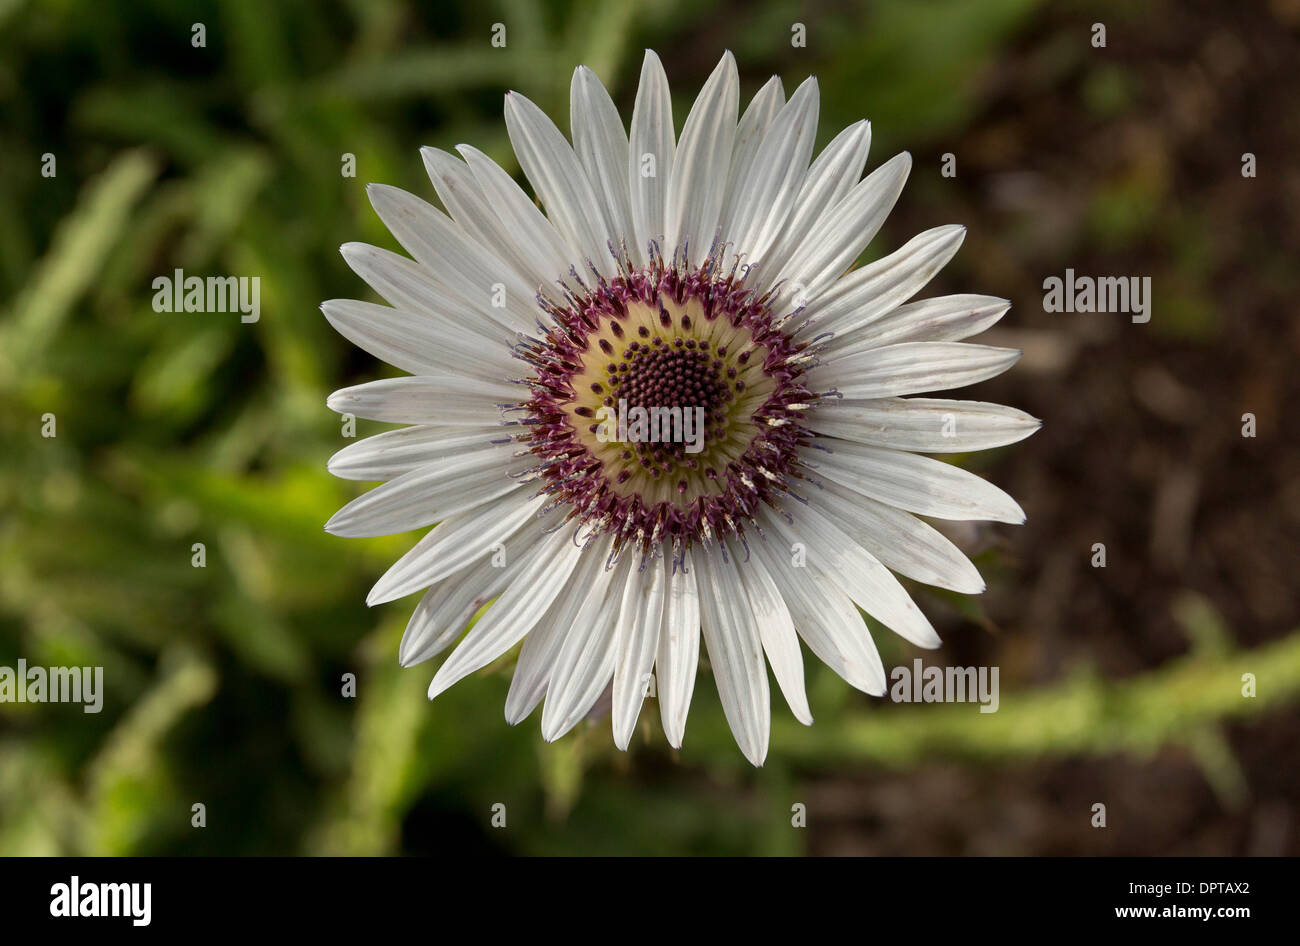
{"x":694,"y":290}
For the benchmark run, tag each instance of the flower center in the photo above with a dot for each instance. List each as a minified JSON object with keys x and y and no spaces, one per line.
{"x":665,"y":399}
{"x":666,"y":403}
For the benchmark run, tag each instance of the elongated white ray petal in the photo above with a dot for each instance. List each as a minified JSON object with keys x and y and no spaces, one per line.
{"x":560,"y":182}
{"x":767,"y":189}
{"x":640,"y":619}
{"x":418,"y":343}
{"x":849,"y":307}
{"x":463,"y":198}
{"x":699,"y":181}
{"x":923,"y":424}
{"x":581,"y":602}
{"x":901,"y":541}
{"x":843,"y":233}
{"x":585,"y":663}
{"x":601,"y":145}
{"x":536,"y":238}
{"x":471,"y":272}
{"x":825,"y":618}
{"x":679,"y":648}
{"x":444,"y":610}
{"x":431,"y":492}
{"x":408,"y":285}
{"x":858,"y":573}
{"x":918,"y":484}
{"x":516,"y":612}
{"x":758,"y":115}
{"x":833,"y":174}
{"x":736,"y":656}
{"x":454,"y":544}
{"x":942,"y":319}
{"x":441,"y":616}
{"x":482,"y":217}
{"x":425,"y":399}
{"x":912,"y":368}
{"x":651,"y":146}
{"x":767,"y":609}
{"x":388,"y":455}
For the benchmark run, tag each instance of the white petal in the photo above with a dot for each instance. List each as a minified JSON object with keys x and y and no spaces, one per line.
{"x":678,"y":659}
{"x":768,"y":610}
{"x":560,"y":182}
{"x":463,"y":198}
{"x":601,"y":145}
{"x":826,"y":619}
{"x":426,"y":399}
{"x":581,"y":602}
{"x":857,"y":573}
{"x":922,"y":424}
{"x":585,"y":663}
{"x":446,"y":608}
{"x":388,"y":455}
{"x":470,"y":272}
{"x":639,"y":621}
{"x":432,"y":492}
{"x":843,"y":233}
{"x":735,"y":654}
{"x":482,"y":217}
{"x":918,"y":484}
{"x":868,"y":293}
{"x":408,"y":285}
{"x":549,"y":258}
{"x":440,"y":617}
{"x":942,"y":319}
{"x":833,"y":174}
{"x":912,"y":368}
{"x":651,"y":136}
{"x":699,"y":181}
{"x":758,"y":115}
{"x":454,"y":544}
{"x":515,"y":613}
{"x":763,"y":196}
{"x":418,"y":343}
{"x":901,"y":541}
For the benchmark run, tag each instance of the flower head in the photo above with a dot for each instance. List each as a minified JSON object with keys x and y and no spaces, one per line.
{"x":662,"y":411}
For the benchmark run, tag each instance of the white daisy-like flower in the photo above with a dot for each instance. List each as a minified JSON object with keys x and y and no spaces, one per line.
{"x":703,"y":276}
